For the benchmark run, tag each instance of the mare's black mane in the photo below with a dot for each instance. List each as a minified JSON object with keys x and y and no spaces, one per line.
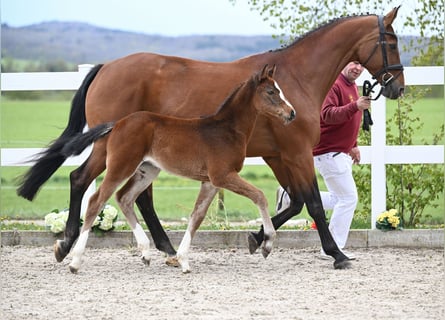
{"x":320,"y":27}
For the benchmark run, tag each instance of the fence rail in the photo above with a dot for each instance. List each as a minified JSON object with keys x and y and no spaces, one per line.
{"x":378,"y":154}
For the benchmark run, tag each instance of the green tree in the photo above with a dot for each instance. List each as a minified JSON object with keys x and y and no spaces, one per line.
{"x":413,"y":187}
{"x":292,"y":18}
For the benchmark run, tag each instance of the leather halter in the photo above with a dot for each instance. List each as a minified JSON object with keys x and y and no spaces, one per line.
{"x":386,"y":76}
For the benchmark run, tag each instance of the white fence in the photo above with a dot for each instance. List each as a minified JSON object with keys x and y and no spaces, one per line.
{"x":378,"y":154}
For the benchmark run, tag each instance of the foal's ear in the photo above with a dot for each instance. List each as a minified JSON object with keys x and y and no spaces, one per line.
{"x":271,"y":71}
{"x":264,"y":72}
{"x":268,"y":72}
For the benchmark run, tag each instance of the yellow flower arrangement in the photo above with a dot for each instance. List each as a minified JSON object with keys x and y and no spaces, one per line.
{"x":388,"y":220}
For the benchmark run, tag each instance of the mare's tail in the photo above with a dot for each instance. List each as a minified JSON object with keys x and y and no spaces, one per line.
{"x":49,"y":160}
{"x":81,"y":141}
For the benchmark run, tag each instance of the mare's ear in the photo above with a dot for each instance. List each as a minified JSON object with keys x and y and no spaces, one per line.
{"x":389,"y":18}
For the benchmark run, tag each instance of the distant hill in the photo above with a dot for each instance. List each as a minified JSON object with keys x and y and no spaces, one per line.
{"x":83,"y":43}
{"x":78,"y":43}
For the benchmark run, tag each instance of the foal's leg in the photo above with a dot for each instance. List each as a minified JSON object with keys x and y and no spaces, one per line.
{"x":118,"y":172}
{"x":205,"y":197}
{"x":80,"y":179}
{"x":126,"y":197}
{"x":96,"y":203}
{"x":235,"y":183}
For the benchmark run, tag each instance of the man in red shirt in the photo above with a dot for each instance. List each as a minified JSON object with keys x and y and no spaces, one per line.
{"x":340,"y":119}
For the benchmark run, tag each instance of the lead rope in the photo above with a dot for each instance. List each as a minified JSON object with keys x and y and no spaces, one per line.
{"x":367,"y":120}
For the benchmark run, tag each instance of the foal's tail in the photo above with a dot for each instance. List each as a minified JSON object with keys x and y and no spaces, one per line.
{"x":49,"y":160}
{"x":81,"y":141}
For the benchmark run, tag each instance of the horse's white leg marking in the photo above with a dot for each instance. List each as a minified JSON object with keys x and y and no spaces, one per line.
{"x":269,"y":231}
{"x":126,"y":198}
{"x":78,"y":251}
{"x":142,"y":241}
{"x":183,"y":250}
{"x":205,"y":197}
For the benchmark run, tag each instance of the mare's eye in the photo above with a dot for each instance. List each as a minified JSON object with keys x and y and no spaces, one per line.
{"x":392,"y":46}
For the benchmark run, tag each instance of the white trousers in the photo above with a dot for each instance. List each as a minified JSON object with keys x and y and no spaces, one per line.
{"x":341,"y":197}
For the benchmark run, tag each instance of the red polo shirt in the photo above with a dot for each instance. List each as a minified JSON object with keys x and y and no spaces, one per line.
{"x":340,"y":118}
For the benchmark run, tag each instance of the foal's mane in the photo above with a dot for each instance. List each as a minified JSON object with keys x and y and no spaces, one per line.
{"x":322,"y":26}
{"x":235,"y":92}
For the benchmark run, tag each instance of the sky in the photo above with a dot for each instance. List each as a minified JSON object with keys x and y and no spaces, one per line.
{"x":161,"y":17}
{"x":164,"y":17}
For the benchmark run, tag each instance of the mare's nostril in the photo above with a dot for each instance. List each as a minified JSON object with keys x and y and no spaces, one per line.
{"x":401,"y":91}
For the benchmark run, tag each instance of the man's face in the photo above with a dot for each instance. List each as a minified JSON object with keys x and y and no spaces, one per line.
{"x":353,"y":70}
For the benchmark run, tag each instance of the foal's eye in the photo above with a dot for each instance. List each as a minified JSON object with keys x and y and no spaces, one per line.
{"x":271,"y":91}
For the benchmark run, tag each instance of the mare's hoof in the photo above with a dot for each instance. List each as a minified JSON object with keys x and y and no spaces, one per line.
{"x":146,"y":261}
{"x":59,"y":252}
{"x":345,"y":264}
{"x":172,"y":261}
{"x":253,"y":244}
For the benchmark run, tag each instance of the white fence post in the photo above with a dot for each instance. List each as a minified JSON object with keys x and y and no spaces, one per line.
{"x":378,"y":172}
{"x":378,"y":154}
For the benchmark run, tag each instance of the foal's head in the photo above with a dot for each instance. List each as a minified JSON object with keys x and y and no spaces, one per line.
{"x":269,"y":99}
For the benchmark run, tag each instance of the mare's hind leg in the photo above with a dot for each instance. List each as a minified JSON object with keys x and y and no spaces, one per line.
{"x":235,"y":183}
{"x":80,"y":180}
{"x":160,"y":238}
{"x":126,"y":197}
{"x":205,"y":197}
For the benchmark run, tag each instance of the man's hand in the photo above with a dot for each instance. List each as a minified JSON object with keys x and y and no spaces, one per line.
{"x":355,"y":155}
{"x":363,"y":103}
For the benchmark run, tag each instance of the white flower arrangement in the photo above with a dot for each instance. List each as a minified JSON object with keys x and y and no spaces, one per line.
{"x":56,"y":221}
{"x":105,"y":220}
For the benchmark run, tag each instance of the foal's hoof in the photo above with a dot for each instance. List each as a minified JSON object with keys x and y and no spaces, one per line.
{"x":59,"y":252}
{"x":172,"y":261}
{"x":344,"y":264}
{"x":266,"y":251}
{"x":253,"y":244}
{"x":146,"y":261}
{"x":74,"y":270}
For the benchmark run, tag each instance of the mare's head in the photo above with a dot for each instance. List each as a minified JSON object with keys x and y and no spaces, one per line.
{"x":269,"y":98}
{"x":379,"y":54}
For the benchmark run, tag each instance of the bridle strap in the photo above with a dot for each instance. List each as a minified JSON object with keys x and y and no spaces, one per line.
{"x":386,"y":76}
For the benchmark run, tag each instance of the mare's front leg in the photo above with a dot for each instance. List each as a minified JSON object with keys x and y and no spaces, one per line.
{"x":126,"y":198}
{"x":235,"y":183}
{"x":283,"y":175}
{"x":301,"y":183}
{"x":80,"y":179}
{"x":314,"y":205}
{"x":205,"y":197}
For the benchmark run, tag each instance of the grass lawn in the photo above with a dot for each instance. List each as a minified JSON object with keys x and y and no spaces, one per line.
{"x":36,"y":123}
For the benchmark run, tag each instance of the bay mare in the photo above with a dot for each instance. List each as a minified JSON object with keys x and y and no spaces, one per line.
{"x":210,"y":149}
{"x":306,"y":69}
